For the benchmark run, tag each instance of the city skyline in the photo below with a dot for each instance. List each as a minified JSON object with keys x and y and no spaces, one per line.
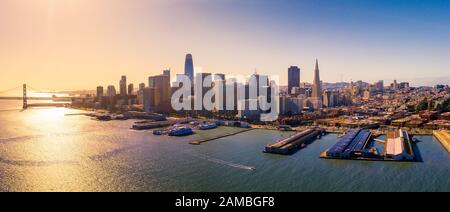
{"x":93,"y":42}
{"x":186,"y":96}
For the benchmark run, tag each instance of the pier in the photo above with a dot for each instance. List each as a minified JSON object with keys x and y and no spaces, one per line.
{"x":443,"y":136}
{"x":148,"y":125}
{"x":289,"y":145}
{"x":198,"y":142}
{"x":356,"y":145}
{"x":398,"y":146}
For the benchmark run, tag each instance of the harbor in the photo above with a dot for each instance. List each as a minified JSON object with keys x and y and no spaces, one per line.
{"x":144,"y":156}
{"x":443,"y":136}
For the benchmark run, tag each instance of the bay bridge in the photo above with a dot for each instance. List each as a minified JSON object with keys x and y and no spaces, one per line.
{"x":56,"y":101}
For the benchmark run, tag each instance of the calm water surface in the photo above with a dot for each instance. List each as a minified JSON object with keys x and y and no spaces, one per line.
{"x":44,"y":150}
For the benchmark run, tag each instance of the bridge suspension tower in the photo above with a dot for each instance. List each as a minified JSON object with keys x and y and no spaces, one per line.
{"x":25,"y":103}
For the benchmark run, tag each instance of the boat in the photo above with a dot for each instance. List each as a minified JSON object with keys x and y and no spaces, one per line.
{"x":180,"y":131}
{"x":285,"y":128}
{"x":157,"y":132}
{"x":104,"y":118}
{"x":208,"y":126}
{"x":120,"y":117}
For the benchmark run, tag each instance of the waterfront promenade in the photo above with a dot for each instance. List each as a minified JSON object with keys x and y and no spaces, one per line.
{"x":443,"y":136}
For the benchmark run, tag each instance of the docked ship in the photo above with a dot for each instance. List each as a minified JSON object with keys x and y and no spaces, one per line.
{"x":180,"y":131}
{"x":208,"y":126}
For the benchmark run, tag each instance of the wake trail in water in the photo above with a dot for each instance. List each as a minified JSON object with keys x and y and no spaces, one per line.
{"x":27,"y":137}
{"x":18,"y":138}
{"x":227,"y":163}
{"x":112,"y":153}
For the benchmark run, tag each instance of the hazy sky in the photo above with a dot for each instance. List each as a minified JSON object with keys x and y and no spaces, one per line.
{"x":79,"y":44}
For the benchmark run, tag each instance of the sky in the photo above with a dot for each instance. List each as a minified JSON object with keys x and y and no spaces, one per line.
{"x":80,"y":44}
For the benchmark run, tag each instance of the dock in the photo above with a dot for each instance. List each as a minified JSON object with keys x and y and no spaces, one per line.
{"x":289,"y":145}
{"x":443,"y":136}
{"x":198,"y":142}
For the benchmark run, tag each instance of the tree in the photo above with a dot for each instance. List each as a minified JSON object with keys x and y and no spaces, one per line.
{"x":423,"y":105}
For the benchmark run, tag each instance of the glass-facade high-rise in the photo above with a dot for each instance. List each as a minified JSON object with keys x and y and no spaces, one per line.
{"x":293,"y":78}
{"x":123,"y":86}
{"x":189,"y":67}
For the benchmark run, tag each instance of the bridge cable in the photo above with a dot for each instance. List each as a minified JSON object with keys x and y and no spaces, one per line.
{"x":11,"y":89}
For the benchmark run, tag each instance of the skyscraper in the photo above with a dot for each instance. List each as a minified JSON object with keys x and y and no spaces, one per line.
{"x":99,"y":92}
{"x":317,"y":87}
{"x":123,"y":86}
{"x":111,"y":92}
{"x":130,"y":89}
{"x":167,"y":73}
{"x":162,"y":92}
{"x":293,"y":78}
{"x":111,"y":100}
{"x":394,"y":85}
{"x":148,"y":96}
{"x":141,"y":86}
{"x":189,"y":67}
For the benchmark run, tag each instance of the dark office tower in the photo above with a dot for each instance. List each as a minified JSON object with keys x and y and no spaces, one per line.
{"x":167,"y":73}
{"x":395,"y":85}
{"x":223,"y":100}
{"x":123,"y":86}
{"x":111,"y":91}
{"x":99,"y":92}
{"x":162,"y":96}
{"x":141,"y":86}
{"x":293,"y":78}
{"x":317,"y":87}
{"x":379,"y":85}
{"x":148,"y":98}
{"x":189,"y":67}
{"x":130,"y":89}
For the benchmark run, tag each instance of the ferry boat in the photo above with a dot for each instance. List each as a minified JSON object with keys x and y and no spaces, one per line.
{"x":208,"y":126}
{"x":181,"y":131}
{"x":104,"y":118}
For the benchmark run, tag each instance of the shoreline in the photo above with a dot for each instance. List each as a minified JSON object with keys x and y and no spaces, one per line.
{"x":413,"y":131}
